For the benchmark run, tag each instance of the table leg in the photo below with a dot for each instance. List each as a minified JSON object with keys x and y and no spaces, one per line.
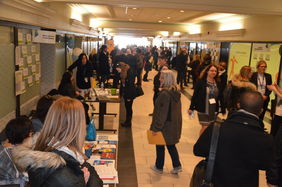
{"x":102,"y":112}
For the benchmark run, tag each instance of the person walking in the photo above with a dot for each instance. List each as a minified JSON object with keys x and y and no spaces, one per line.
{"x":243,"y":147}
{"x":206,"y":96}
{"x":167,"y":118}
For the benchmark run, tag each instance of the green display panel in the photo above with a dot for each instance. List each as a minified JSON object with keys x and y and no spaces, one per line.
{"x":239,"y":56}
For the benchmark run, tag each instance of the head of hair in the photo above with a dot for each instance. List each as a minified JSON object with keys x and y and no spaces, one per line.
{"x":66,"y":78}
{"x":18,"y":129}
{"x":53,"y":92}
{"x":162,"y":57}
{"x":64,"y":126}
{"x":123,"y":50}
{"x":169,"y":80}
{"x":93,"y":51}
{"x":42,"y":107}
{"x":103,"y":47}
{"x":81,"y":56}
{"x":251,"y":101}
{"x":138,"y":50}
{"x":245,"y":72}
{"x":259,"y":63}
{"x":207,"y":59}
{"x":204,"y":73}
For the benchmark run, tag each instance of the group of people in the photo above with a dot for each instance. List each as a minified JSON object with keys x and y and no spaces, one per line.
{"x":47,"y":150}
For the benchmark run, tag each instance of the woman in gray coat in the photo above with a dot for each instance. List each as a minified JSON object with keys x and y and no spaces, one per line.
{"x":167,"y":118}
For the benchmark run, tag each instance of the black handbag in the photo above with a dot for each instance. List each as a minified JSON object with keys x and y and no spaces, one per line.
{"x":139,"y":91}
{"x":202,"y":174}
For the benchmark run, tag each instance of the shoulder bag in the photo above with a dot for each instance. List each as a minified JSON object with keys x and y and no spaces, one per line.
{"x":203,"y":172}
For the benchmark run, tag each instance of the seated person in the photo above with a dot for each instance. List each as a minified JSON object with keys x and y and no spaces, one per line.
{"x":42,"y":108}
{"x":16,"y":131}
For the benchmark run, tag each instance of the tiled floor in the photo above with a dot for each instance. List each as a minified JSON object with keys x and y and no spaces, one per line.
{"x":145,"y":153}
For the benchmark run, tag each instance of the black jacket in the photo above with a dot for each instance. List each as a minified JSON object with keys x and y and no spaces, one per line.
{"x":128,"y":90}
{"x":103,"y":67}
{"x":53,"y":169}
{"x":268,"y":81}
{"x":274,"y":174}
{"x":198,"y":101}
{"x":181,"y":62}
{"x":83,"y":74}
{"x":243,"y":149}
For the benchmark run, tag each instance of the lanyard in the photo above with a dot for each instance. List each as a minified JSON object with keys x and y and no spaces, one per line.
{"x":261,"y":82}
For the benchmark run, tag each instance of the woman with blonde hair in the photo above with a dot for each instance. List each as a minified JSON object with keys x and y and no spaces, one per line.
{"x":239,"y":84}
{"x":57,"y":158}
{"x":167,"y":118}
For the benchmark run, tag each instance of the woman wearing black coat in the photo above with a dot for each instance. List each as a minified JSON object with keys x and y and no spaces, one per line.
{"x":205,"y":97}
{"x":84,"y":72}
{"x":128,"y":91}
{"x":56,"y":159}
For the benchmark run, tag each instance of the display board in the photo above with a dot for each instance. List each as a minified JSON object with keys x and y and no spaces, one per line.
{"x":27,"y":57}
{"x":239,"y":56}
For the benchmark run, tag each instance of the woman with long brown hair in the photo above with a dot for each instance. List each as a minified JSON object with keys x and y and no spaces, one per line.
{"x":205,"y":97}
{"x":57,"y":158}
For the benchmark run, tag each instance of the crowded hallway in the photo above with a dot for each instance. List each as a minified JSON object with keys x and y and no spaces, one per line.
{"x":140,"y":93}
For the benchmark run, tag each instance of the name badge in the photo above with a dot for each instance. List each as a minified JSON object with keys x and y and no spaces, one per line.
{"x":86,"y":79}
{"x":212,"y":101}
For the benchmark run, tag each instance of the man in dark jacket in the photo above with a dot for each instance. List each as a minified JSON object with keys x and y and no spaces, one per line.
{"x":104,"y":67}
{"x":181,"y":63}
{"x":243,"y":146}
{"x":161,"y":64}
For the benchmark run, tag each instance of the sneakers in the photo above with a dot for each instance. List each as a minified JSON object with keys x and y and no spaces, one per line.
{"x":176,"y":170}
{"x":155,"y":169}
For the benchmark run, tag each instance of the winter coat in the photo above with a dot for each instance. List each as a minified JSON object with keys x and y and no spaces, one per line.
{"x":233,"y":92}
{"x":167,"y":116}
{"x":103,"y":67}
{"x":53,"y":169}
{"x":243,"y":149}
{"x":8,"y":171}
{"x":274,"y":174}
{"x":198,"y":101}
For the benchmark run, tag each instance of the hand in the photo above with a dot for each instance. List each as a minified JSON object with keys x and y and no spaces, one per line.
{"x":271,"y":87}
{"x":270,"y":185}
{"x":154,"y":133}
{"x":86,"y":174}
{"x":264,"y":97}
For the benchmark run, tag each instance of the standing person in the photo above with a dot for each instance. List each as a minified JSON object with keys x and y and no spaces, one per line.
{"x":148,"y":66}
{"x":262,"y":79}
{"x":132,"y":61}
{"x":167,"y":118}
{"x":139,"y":65}
{"x":104,"y":69}
{"x":238,"y":85}
{"x":57,"y":158}
{"x":17,"y":130}
{"x":222,"y":74}
{"x":93,"y":59}
{"x":128,"y":91}
{"x":84,"y":72}
{"x":195,"y":64}
{"x":205,"y":97}
{"x":243,"y":148}
{"x":276,"y":123}
{"x":161,"y":64}
{"x":181,"y":63}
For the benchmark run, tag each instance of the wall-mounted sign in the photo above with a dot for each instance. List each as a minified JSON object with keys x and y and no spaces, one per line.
{"x":40,"y":36}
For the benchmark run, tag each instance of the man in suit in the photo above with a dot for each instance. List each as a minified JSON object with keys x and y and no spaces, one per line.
{"x":262,"y":80}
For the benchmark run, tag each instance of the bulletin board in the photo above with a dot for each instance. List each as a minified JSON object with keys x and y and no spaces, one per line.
{"x":27,"y":57}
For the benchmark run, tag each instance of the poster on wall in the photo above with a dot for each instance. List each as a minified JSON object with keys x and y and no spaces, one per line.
{"x":20,"y":38}
{"x":19,"y":82}
{"x":28,"y":38}
{"x":40,"y":36}
{"x":239,"y":56}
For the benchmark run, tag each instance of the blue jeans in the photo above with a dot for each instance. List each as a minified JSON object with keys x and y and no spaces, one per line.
{"x":160,"y":149}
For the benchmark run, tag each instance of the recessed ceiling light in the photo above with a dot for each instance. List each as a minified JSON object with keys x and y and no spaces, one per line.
{"x":168,"y":17}
{"x":181,"y":11}
{"x":160,"y":21}
{"x":134,"y":8}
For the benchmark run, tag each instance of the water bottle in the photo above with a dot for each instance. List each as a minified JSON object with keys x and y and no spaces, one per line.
{"x":91,"y":131}
{"x":102,"y":86}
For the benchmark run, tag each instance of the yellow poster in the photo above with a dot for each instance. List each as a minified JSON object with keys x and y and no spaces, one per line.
{"x":239,"y":56}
